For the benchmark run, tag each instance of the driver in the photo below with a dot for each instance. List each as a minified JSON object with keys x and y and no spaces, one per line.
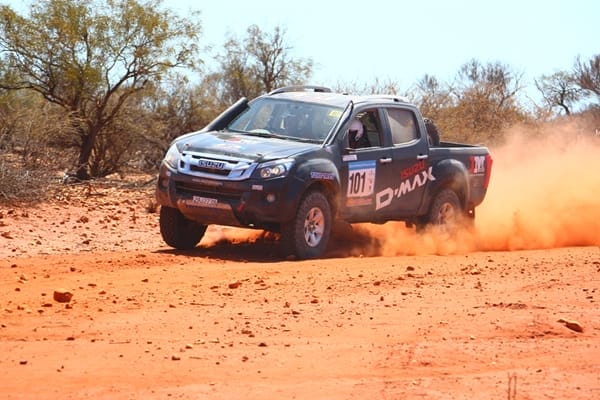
{"x":357,"y":135}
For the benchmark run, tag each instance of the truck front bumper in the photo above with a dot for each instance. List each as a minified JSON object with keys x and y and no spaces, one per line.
{"x":247,"y":203}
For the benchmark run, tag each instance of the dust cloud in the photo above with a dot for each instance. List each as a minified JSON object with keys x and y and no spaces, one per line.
{"x":223,"y":235}
{"x":544,"y":193}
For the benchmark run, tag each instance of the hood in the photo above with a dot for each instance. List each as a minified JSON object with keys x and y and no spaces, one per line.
{"x":242,"y":146}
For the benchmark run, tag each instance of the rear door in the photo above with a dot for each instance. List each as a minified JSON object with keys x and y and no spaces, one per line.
{"x":406,"y":185}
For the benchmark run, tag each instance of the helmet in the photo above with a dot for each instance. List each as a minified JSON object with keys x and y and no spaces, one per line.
{"x":356,"y":130}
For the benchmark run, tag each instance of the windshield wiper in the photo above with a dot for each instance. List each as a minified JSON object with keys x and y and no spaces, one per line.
{"x":304,"y":140}
{"x":261,"y":134}
{"x":266,"y":134}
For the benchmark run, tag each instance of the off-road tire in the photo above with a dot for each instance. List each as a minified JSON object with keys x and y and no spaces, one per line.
{"x":445,"y":210}
{"x":177,"y":231}
{"x":307,"y":235}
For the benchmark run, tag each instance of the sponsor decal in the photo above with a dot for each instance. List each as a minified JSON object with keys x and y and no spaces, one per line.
{"x":349,"y":157}
{"x":477,"y":164}
{"x":361,"y":178}
{"x":384,"y":198}
{"x":229,"y":145}
{"x":359,"y":201}
{"x":202,"y":163}
{"x":413,"y":169}
{"x":322,"y":175}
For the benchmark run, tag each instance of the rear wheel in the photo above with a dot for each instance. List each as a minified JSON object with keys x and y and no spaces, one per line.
{"x":307,"y":235}
{"x":179,"y":232}
{"x":445,"y":210}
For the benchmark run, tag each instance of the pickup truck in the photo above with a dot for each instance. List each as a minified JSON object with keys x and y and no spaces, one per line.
{"x":301,"y":158}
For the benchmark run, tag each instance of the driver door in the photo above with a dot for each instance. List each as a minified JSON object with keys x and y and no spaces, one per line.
{"x":364,"y":170}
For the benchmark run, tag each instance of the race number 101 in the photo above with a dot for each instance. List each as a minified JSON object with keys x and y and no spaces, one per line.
{"x":361,"y":178}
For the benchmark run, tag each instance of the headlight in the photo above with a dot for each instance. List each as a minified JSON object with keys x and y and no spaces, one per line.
{"x":172,"y":156}
{"x":274,"y":169}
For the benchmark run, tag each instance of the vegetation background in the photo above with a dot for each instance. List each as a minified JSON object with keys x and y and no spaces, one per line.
{"x":90,"y":89}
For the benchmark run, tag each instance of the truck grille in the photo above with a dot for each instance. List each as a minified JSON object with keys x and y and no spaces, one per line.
{"x":222,"y":168}
{"x":208,"y":170}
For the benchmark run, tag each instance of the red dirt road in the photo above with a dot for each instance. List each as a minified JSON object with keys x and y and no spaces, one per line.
{"x":152,"y":324}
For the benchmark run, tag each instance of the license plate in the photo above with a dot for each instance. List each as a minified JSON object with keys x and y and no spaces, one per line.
{"x":204,"y":201}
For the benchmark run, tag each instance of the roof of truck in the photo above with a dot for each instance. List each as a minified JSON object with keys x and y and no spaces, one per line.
{"x":322,"y":95}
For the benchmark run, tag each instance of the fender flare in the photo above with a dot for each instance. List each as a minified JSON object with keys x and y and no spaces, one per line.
{"x":316,"y":173}
{"x":449,"y":174}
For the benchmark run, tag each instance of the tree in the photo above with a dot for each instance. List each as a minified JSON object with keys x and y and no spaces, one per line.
{"x":587,"y":75}
{"x":237,"y":73}
{"x":432,"y":97}
{"x":90,"y":57}
{"x":378,"y":86}
{"x":485,"y":100}
{"x":274,"y":66}
{"x":559,"y":90}
{"x":260,"y":64}
{"x":172,"y":109}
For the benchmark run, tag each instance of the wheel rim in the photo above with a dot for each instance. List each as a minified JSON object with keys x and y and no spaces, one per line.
{"x":447,"y":214}
{"x":314,"y":226}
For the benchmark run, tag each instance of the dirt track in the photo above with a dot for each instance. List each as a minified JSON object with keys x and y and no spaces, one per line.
{"x":386,"y":314}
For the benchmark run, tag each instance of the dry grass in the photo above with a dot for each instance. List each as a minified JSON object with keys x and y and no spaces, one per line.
{"x":23,"y":185}
{"x":27,"y":185}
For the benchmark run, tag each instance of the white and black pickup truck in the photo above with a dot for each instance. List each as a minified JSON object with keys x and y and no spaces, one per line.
{"x":300,"y":158}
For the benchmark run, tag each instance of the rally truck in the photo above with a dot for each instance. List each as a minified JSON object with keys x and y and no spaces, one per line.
{"x":300,"y":159}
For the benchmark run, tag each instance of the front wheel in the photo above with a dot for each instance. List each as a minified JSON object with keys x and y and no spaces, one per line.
{"x":177,"y":231}
{"x":307,"y":235}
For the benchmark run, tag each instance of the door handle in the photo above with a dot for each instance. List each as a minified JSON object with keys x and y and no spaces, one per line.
{"x":385,"y":160}
{"x":422,"y":157}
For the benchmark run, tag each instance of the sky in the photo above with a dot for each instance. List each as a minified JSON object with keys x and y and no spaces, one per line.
{"x":359,"y":41}
{"x":401,"y":41}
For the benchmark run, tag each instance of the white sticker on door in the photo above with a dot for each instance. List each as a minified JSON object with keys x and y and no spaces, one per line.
{"x":361,"y":178}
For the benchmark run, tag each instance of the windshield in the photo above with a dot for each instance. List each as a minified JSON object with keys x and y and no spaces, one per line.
{"x":287,"y":119}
